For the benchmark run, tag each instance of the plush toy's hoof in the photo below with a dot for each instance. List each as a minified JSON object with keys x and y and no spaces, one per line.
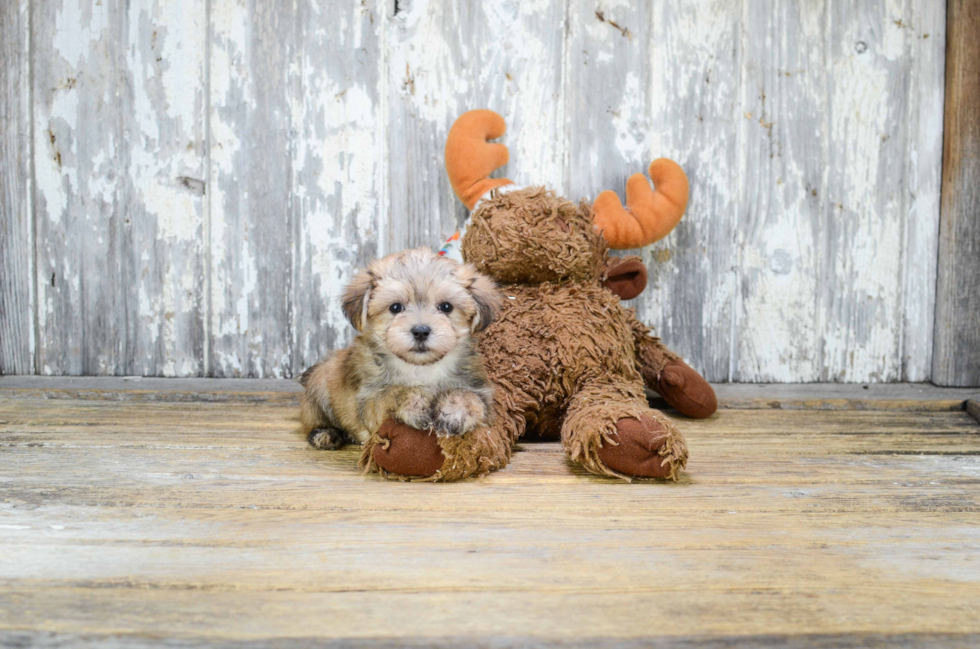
{"x":686,"y":391}
{"x":646,"y":448}
{"x":407,"y":451}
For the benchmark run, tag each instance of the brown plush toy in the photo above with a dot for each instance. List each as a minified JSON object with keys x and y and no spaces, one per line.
{"x":567,"y":358}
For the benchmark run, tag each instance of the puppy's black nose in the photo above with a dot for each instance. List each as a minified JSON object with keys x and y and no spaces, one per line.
{"x":421,"y":332}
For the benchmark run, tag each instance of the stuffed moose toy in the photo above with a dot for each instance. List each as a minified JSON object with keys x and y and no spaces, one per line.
{"x":567,"y":359}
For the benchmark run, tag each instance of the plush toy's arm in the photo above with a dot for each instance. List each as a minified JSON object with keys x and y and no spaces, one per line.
{"x":664,"y":372}
{"x":651,"y":355}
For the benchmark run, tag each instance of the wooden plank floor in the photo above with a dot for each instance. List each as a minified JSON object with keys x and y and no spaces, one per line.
{"x":136,"y":521}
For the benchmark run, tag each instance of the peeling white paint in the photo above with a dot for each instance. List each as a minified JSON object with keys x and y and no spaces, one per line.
{"x":812,"y":141}
{"x":337,"y":169}
{"x":444,"y":60}
{"x":79,"y":25}
{"x":121,"y":245}
{"x":59,"y":122}
{"x":347,"y":160}
{"x":231,"y":282}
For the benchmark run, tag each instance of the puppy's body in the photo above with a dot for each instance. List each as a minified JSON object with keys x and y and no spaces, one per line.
{"x":415,"y":358}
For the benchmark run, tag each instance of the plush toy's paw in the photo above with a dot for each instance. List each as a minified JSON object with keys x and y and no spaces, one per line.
{"x":403,"y":451}
{"x":414,"y":408}
{"x":686,"y":391}
{"x":326,"y":439}
{"x":398,"y":451}
{"x":645,"y":448}
{"x":457,"y":412}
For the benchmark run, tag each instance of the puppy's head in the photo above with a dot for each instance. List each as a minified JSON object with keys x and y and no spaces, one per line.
{"x":419,"y":305}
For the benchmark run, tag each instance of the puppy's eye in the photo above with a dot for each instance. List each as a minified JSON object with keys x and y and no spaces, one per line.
{"x":446,"y":308}
{"x":396,"y":308}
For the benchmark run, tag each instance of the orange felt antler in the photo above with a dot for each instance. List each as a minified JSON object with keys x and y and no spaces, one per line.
{"x":470,"y":158}
{"x":650,"y":214}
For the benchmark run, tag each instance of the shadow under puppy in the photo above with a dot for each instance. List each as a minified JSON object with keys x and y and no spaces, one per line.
{"x":415,"y":358}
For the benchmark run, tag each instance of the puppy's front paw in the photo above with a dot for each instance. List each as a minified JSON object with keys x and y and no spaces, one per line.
{"x":326,"y":439}
{"x":414,"y":408}
{"x":457,"y":411}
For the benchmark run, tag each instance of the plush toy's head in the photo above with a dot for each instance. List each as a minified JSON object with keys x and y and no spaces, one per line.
{"x":530,"y":235}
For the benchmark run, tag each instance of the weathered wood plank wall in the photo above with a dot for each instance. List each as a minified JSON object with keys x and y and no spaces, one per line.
{"x":207,"y":176}
{"x":119,"y":158}
{"x":16,"y":237}
{"x":957,"y":344}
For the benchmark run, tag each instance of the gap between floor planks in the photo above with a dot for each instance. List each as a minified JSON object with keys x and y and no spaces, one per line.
{"x":731,"y":396}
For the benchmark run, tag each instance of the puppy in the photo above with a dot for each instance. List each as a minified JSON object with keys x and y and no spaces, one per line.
{"x":415,"y":358}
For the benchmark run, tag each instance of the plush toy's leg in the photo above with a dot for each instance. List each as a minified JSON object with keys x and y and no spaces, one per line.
{"x":400,"y":452}
{"x":610,"y":430}
{"x":664,"y":372}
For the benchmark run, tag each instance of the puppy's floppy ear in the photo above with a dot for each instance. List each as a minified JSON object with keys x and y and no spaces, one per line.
{"x":485,"y":294}
{"x":356,"y":297}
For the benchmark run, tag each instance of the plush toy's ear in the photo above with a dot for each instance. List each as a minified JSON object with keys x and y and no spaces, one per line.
{"x":650,"y":214}
{"x":356,"y":298}
{"x":485,"y":294}
{"x":625,"y":277}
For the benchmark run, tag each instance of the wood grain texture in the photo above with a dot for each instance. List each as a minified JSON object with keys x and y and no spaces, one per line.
{"x":973,"y":409}
{"x":251,"y":223}
{"x":869,"y":128}
{"x":16,"y":192}
{"x":695,"y":82}
{"x":750,"y":119}
{"x":908,"y":397}
{"x":119,"y":166}
{"x":339,"y":191}
{"x":957,"y":340}
{"x":215,"y":523}
{"x":813,"y":641}
{"x":445,"y":59}
{"x":298,"y":201}
{"x":925,"y":44}
{"x":781,"y":223}
{"x":826,"y":294}
{"x":608,"y":95}
{"x":207,"y":182}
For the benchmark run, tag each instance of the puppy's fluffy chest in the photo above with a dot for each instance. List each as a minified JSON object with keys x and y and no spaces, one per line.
{"x":436,"y":375}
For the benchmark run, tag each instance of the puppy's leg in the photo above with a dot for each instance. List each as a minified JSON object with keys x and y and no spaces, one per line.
{"x":457,"y":412}
{"x":319,"y":424}
{"x":311,"y":415}
{"x":411,"y":406}
{"x":327,"y":438}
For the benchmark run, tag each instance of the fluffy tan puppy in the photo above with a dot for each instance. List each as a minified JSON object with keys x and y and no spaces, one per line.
{"x":415,"y":358}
